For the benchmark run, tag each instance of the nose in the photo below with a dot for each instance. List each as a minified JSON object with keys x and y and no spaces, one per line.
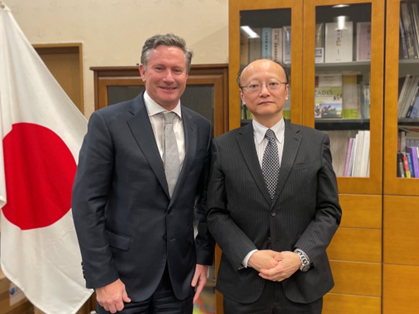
{"x":264,"y":89}
{"x":168,"y":77}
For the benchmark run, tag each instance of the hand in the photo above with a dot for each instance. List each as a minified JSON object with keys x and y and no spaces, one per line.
{"x":112,"y":296}
{"x":264,"y":259}
{"x":289,"y":264}
{"x":199,"y":280}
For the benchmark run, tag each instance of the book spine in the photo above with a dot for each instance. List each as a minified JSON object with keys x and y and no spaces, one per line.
{"x":403,"y":41}
{"x":409,"y":162}
{"x":406,"y":166}
{"x":413,"y":151}
{"x":348,"y":157}
{"x":400,"y":166}
{"x":266,"y":43}
{"x":286,"y":45}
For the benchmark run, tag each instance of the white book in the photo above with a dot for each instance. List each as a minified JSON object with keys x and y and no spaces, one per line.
{"x":363,"y":41}
{"x":358,"y":154}
{"x":277,"y":44}
{"x":319,"y":44}
{"x":365,"y":157}
{"x":286,"y":44}
{"x":339,"y":43}
{"x":410,"y":93}
{"x":405,"y":87}
{"x":255,"y":46}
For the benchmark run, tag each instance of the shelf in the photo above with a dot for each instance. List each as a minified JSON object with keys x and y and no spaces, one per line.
{"x":342,"y":124}
{"x":342,"y":67}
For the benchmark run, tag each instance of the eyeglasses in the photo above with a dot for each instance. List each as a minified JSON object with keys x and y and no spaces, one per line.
{"x":257,"y":87}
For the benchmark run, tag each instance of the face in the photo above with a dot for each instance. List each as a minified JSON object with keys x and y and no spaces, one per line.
{"x":264,"y":104}
{"x":165,"y":76}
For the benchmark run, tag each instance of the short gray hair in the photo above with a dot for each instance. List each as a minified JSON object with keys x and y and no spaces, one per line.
{"x":169,"y":40}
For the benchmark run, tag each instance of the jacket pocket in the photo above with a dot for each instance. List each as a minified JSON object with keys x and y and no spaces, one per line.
{"x":118,"y":241}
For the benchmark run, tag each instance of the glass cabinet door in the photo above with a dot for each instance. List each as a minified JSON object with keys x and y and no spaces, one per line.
{"x":402,"y":99}
{"x":267,"y":33}
{"x":343,"y":85}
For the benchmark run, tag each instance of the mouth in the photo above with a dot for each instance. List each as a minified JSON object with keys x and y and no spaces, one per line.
{"x":264,"y":103}
{"x":168,"y":88}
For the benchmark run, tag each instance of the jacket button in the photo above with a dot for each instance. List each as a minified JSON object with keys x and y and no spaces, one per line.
{"x":165,"y":237}
{"x":273,"y":213}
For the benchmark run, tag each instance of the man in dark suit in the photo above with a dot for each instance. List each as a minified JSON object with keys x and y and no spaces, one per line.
{"x":142,"y":172}
{"x":273,"y":204}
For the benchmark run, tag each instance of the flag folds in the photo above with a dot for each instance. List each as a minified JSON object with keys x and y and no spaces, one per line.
{"x":41,"y":131}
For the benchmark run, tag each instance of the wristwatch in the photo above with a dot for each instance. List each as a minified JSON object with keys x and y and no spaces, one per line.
{"x":305,"y":262}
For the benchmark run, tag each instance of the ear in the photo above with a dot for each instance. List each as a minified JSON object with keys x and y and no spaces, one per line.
{"x":242,"y":96}
{"x":142,"y":72}
{"x":287,"y":91}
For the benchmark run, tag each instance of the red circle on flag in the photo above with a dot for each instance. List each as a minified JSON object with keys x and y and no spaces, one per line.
{"x":39,"y":171}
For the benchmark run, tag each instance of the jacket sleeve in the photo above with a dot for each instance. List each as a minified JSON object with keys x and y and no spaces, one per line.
{"x":90,"y":193}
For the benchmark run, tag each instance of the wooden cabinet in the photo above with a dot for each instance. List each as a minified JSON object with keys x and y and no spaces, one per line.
{"x":377,"y":237}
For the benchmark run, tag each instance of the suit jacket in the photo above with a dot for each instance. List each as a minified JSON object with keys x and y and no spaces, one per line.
{"x":305,"y":212}
{"x":126,"y":223}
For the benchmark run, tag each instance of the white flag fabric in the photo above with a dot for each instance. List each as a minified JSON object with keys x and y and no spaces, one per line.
{"x":41,"y":131}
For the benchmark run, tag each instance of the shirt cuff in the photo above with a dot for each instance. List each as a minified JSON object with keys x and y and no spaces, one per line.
{"x":247,"y":257}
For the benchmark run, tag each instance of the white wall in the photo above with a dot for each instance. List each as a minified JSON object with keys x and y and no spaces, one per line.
{"x":113,"y":31}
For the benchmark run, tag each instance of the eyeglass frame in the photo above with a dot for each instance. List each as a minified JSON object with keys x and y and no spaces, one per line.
{"x":261,"y":84}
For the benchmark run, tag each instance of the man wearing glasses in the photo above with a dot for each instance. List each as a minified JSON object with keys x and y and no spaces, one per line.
{"x":273,"y":204}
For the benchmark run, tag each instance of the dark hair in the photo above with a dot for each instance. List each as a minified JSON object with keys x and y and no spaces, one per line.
{"x":169,"y":40}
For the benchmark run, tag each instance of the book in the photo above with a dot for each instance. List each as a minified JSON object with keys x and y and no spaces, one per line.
{"x":413,"y":151}
{"x":286,"y":44}
{"x":363,"y":41}
{"x":409,"y":162}
{"x":277,"y":44}
{"x":404,"y":82}
{"x":350,"y":97}
{"x":255,"y":46}
{"x":414,"y":30}
{"x":406,"y":166}
{"x":415,"y":110}
{"x":365,"y":100}
{"x":266,"y":42}
{"x":348,"y":156}
{"x":412,"y":101}
{"x":415,"y":19}
{"x":339,"y":42}
{"x":244,"y":50}
{"x":365,"y":156}
{"x":328,"y":96}
{"x":409,"y":96}
{"x":319,"y":43}
{"x":400,"y":166}
{"x":351,"y":160}
{"x":403,"y":46}
{"x":408,"y":31}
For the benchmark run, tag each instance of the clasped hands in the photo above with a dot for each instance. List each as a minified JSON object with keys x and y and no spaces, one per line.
{"x":275,"y":266}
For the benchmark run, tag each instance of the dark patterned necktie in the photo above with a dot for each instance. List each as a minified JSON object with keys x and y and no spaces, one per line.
{"x":170,"y":153}
{"x":270,"y":163}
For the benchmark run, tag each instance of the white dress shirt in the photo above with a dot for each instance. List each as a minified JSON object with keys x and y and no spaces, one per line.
{"x":154,"y":111}
{"x":261,"y":142}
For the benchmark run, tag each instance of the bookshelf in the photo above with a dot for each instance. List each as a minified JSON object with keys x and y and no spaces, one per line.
{"x":356,"y":250}
{"x":401,"y":195}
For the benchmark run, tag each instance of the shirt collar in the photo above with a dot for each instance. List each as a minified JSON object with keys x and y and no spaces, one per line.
{"x":259,"y":130}
{"x":154,"y":108}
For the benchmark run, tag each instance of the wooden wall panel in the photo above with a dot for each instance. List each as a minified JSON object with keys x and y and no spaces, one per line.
{"x":356,"y":278}
{"x":401,"y":289}
{"x":353,"y":244}
{"x":350,"y":304}
{"x":361,"y":211}
{"x":401,"y":230}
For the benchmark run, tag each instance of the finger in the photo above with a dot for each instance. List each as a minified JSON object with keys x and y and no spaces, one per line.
{"x":112,"y":308}
{"x":198,"y":291}
{"x":119,"y":306}
{"x":125,"y":297}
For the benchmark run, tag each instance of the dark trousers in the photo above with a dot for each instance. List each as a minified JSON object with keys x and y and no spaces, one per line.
{"x":163,"y":300}
{"x":272,"y":301}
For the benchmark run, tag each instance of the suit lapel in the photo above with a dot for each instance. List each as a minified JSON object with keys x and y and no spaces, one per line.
{"x":143,"y":133}
{"x":246,"y":143}
{"x":189,"y":129}
{"x":292,"y":141}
